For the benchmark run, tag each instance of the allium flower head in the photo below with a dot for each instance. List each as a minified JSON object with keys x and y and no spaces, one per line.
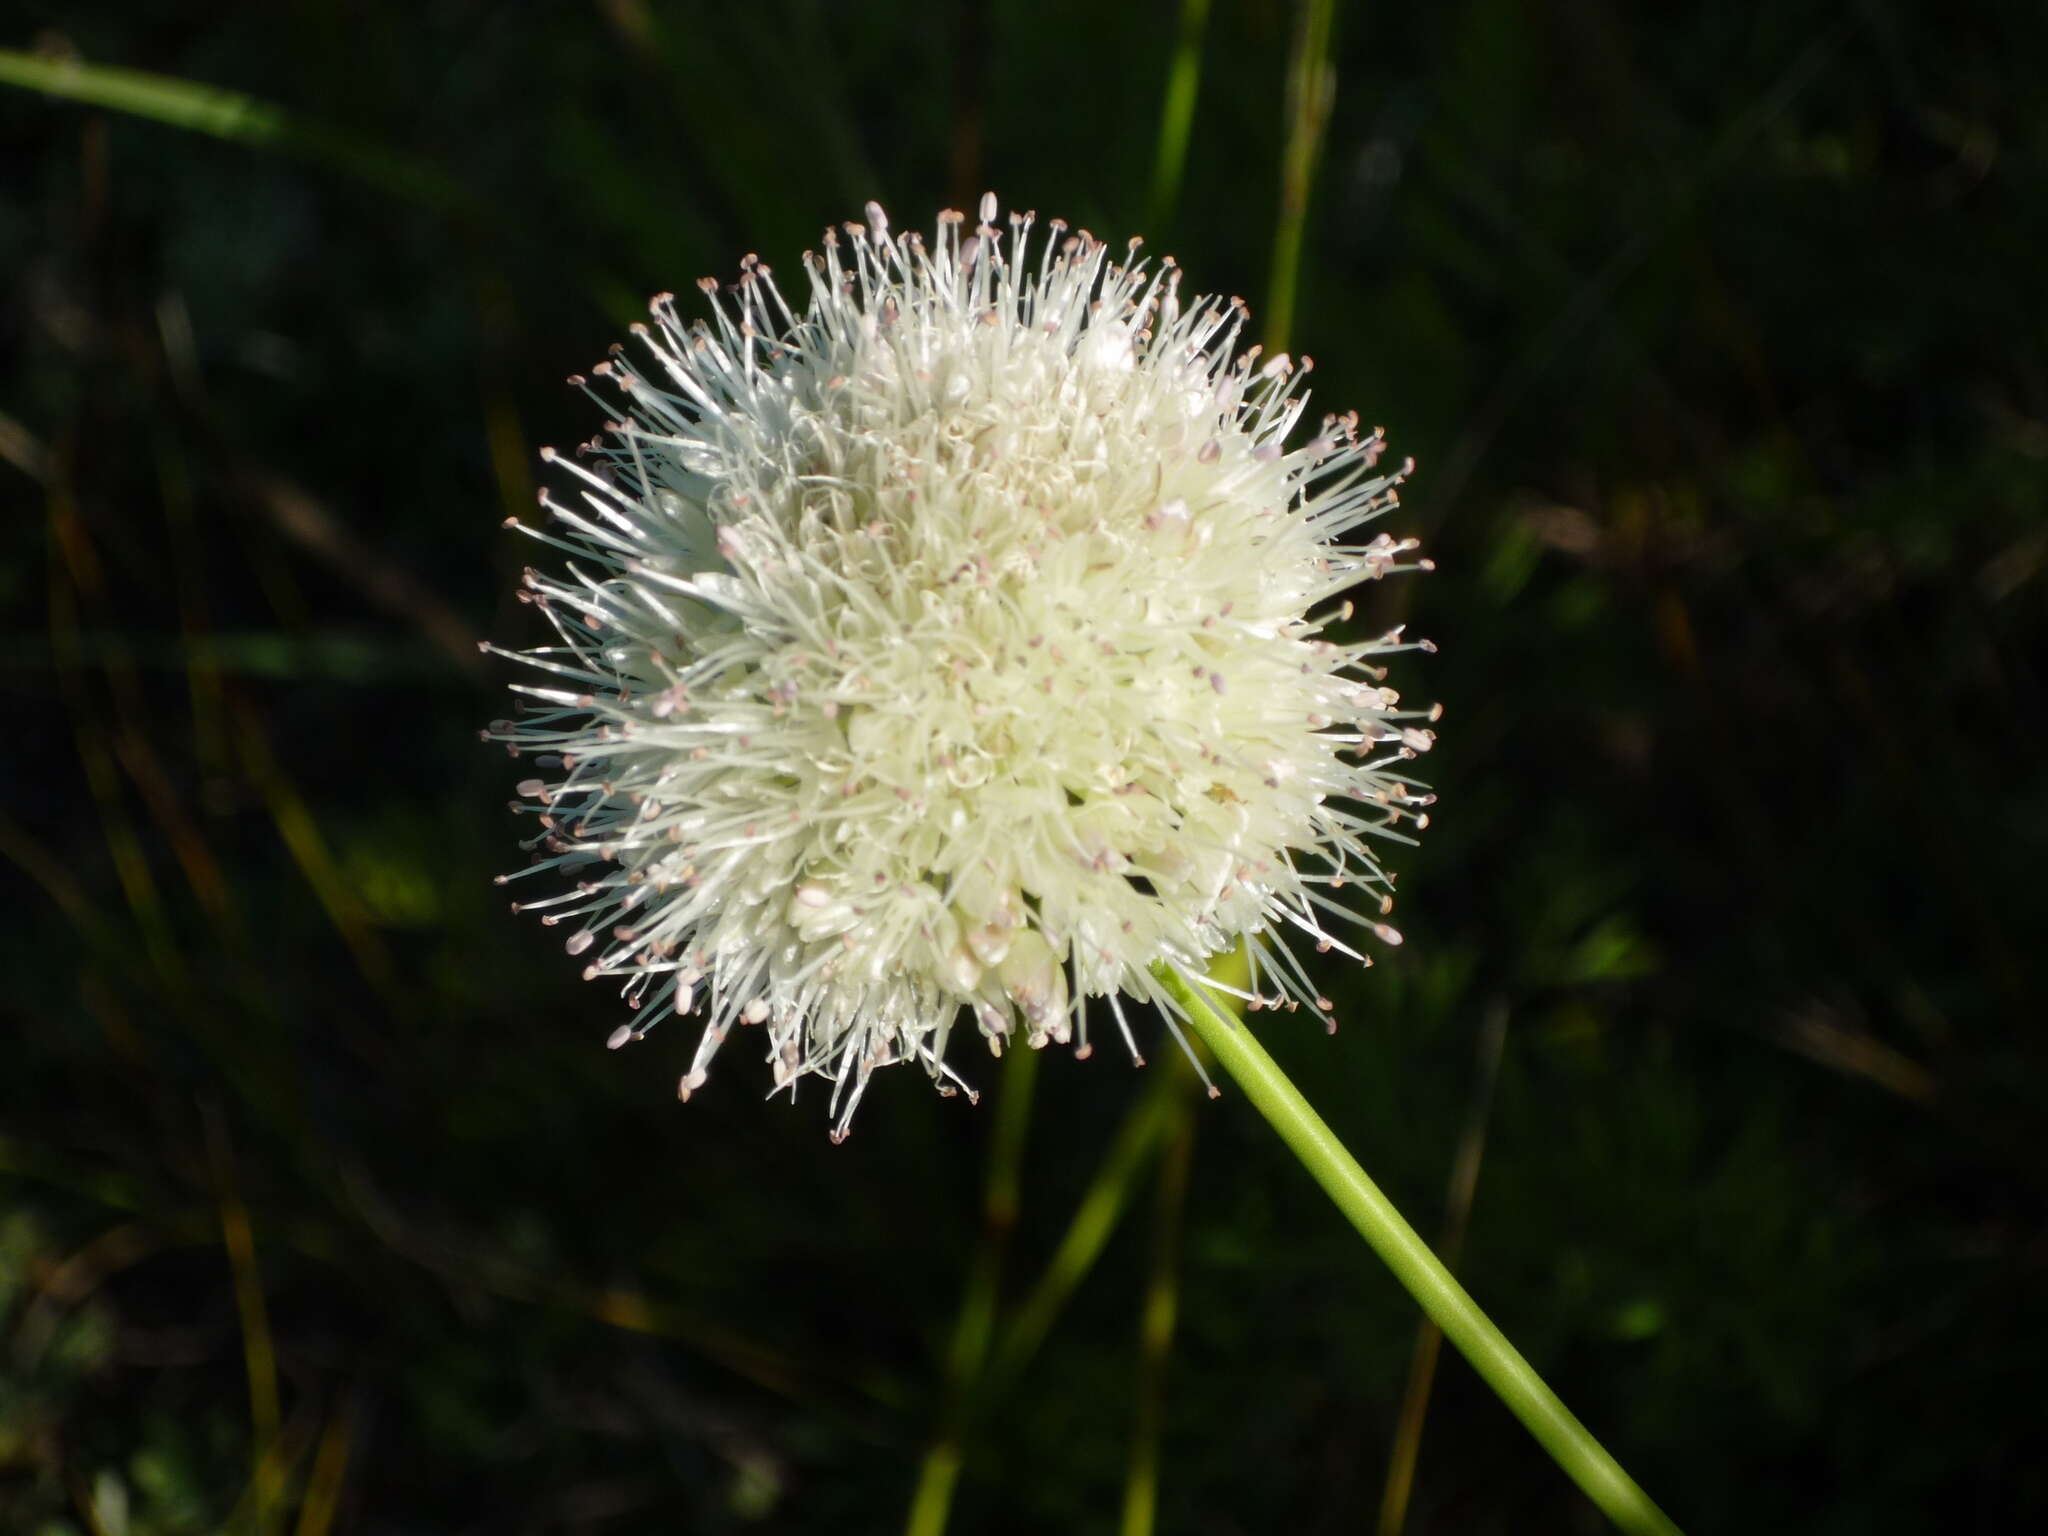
{"x":951,"y":647}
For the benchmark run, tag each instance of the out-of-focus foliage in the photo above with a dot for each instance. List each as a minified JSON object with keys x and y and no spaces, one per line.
{"x":1719,"y":335}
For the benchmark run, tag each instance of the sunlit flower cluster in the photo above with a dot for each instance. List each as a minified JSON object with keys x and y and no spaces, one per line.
{"x":953,"y":647}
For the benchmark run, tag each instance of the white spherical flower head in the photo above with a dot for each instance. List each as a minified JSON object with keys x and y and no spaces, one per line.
{"x":952,"y":648}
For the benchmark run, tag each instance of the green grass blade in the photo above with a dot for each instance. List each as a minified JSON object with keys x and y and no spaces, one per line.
{"x":1177,"y":115}
{"x":234,"y":116}
{"x":1311,"y":89}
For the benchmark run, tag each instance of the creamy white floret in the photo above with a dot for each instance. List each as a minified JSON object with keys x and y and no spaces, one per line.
{"x":944,"y":651}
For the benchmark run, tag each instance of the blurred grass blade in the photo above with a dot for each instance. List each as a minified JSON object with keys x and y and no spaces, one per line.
{"x":316,"y":528}
{"x":1311,"y":89}
{"x":84,"y":1498}
{"x":1464,"y":1186}
{"x":300,"y":833}
{"x":1177,"y":114}
{"x":1137,"y":1141}
{"x":1161,"y":1308}
{"x":178,"y":103}
{"x":932,"y":1501}
{"x":54,"y":876}
{"x":266,"y":1486}
{"x":231,"y":115}
{"x":21,"y":448}
{"x":330,"y":1467}
{"x":73,"y":567}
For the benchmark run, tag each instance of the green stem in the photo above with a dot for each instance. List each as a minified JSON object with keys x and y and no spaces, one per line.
{"x":939,"y":1474}
{"x":1144,"y":1129}
{"x":1161,"y":1307}
{"x":1569,"y":1442}
{"x":1311,"y":89}
{"x":1177,"y":115}
{"x":231,"y":115}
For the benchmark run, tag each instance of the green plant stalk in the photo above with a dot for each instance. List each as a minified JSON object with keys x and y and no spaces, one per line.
{"x":1498,"y":1362}
{"x":1161,"y":1307}
{"x":1177,"y":114}
{"x":1311,"y":90}
{"x":234,"y":116}
{"x":1145,"y":1127}
{"x":1095,"y":1219}
{"x":939,"y":1473}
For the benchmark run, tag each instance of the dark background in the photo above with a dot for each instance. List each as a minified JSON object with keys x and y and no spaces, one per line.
{"x":1718,"y":334}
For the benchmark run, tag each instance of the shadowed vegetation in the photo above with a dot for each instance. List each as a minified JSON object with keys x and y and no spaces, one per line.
{"x":1718,"y":336}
